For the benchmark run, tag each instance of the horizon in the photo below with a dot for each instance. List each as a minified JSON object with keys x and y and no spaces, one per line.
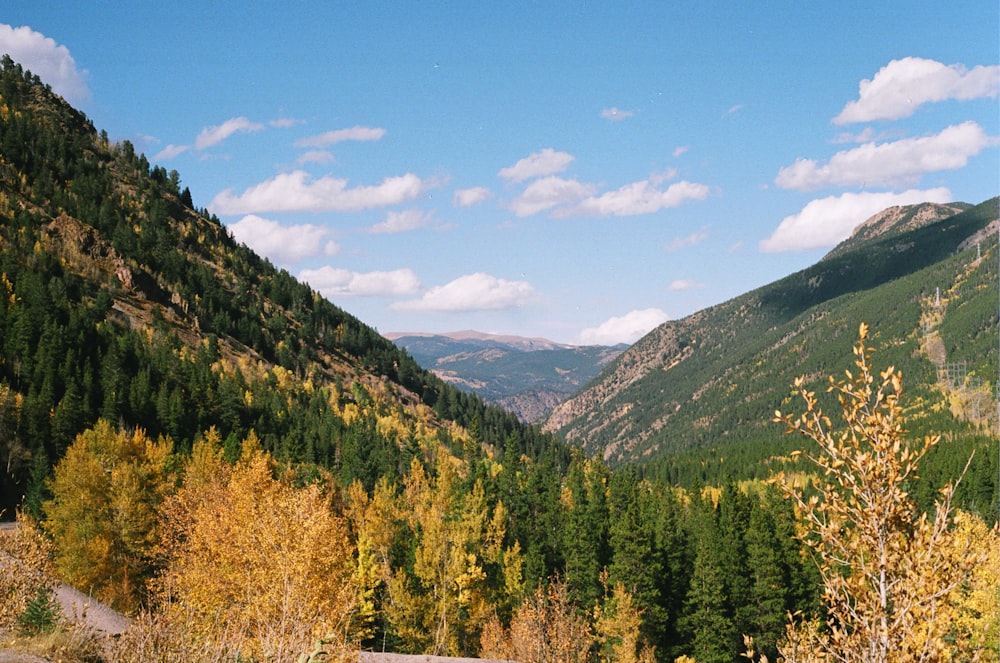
{"x":562,"y":172}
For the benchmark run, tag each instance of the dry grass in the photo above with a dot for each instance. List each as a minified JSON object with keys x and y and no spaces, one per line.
{"x":68,"y":643}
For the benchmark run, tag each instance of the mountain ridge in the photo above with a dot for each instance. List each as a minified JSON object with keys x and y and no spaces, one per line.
{"x":525,"y":376}
{"x":121,"y":301}
{"x":675,"y":388}
{"x":524,"y":343}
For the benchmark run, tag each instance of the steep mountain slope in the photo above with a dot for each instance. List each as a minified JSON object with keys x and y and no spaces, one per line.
{"x":714,"y":378}
{"x":120,"y":300}
{"x":526,"y":376}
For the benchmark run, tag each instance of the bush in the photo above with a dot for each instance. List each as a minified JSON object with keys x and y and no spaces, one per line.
{"x":41,"y":615}
{"x":24,"y":559}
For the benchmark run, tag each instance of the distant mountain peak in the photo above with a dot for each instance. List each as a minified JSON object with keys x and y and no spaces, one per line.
{"x":526,"y":376}
{"x":898,"y":219}
{"x":523,"y":343}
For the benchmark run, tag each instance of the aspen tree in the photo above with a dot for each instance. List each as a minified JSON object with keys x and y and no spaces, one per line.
{"x":434,"y":610}
{"x":106,"y":492}
{"x":617,"y":622}
{"x":889,"y":572}
{"x":259,"y":564}
{"x":546,"y":628}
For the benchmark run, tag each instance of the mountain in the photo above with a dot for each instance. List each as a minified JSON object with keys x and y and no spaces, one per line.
{"x":526,"y":376}
{"x":131,"y":316}
{"x":119,"y":300}
{"x":703,"y":389}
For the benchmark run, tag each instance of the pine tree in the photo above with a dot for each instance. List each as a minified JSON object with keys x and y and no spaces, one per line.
{"x":635,"y":559}
{"x":706,"y":623}
{"x":584,"y":529}
{"x":769,"y":580}
{"x":41,"y":615}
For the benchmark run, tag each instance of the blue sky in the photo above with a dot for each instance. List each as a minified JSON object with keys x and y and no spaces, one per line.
{"x":575,"y":171}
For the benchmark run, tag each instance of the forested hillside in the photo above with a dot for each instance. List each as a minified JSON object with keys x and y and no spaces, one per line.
{"x":691,"y":400}
{"x":525,"y":376}
{"x":255,"y":474}
{"x":122,"y":302}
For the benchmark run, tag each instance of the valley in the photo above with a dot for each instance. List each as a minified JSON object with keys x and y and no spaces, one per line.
{"x":527,"y":377}
{"x":210,"y":446}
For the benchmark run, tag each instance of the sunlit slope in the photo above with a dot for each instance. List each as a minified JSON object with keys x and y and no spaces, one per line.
{"x":713,"y":379}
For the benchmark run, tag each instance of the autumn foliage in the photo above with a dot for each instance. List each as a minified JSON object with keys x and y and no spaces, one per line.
{"x":894,"y":579}
{"x":224,"y":553}
{"x":254,"y":562}
{"x":546,"y":628}
{"x":104,"y":512}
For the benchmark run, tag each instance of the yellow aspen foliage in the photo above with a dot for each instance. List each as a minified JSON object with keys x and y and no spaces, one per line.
{"x":440,"y":604}
{"x":10,"y":298}
{"x":257,"y":564}
{"x":546,"y":628}
{"x":375,"y":522}
{"x":446,"y":566}
{"x":975,"y":624}
{"x":106,"y":492}
{"x":890,"y":574}
{"x":12,"y":447}
{"x":616,"y":623}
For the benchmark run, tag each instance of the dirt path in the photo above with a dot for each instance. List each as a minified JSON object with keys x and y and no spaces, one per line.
{"x":78,"y":607}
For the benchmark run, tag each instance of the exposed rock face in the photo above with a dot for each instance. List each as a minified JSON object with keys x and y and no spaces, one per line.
{"x":525,"y":376}
{"x":898,"y":219}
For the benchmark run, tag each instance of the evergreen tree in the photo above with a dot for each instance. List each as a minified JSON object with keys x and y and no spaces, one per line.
{"x":734,"y":512}
{"x":584,"y":529}
{"x":636,"y":562}
{"x":706,"y":623}
{"x":769,"y":579}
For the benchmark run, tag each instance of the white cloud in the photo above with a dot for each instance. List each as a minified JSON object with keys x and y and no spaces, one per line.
{"x":315,"y":156}
{"x":902,"y":86}
{"x":49,"y":61}
{"x":297,"y":192}
{"x":827,"y":221}
{"x":472,"y":196}
{"x":538,"y":164}
{"x":678,"y":243}
{"x":399,"y":222}
{"x":472,"y":292}
{"x":628,"y":328}
{"x":341,"y":135}
{"x":864,"y":136}
{"x":889,"y":164}
{"x":644,"y":197}
{"x":170,"y":151}
{"x":679,"y":285}
{"x":547,"y":193}
{"x":680,"y":151}
{"x":284,"y":122}
{"x":333,"y":282}
{"x":616,"y":114}
{"x":283,"y":244}
{"x":213,"y":135}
